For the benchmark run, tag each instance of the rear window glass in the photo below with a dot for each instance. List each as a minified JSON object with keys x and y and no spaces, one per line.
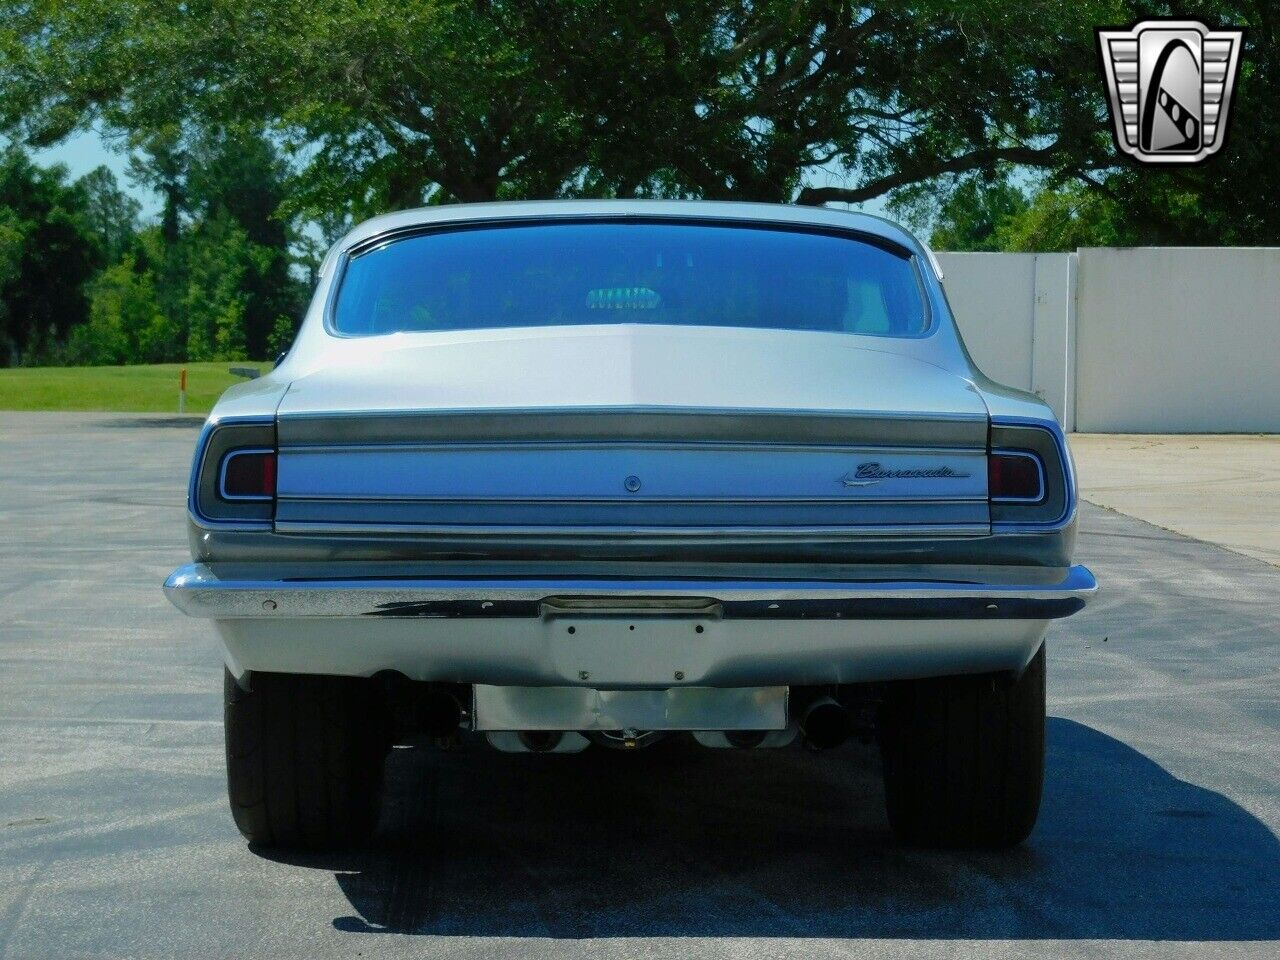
{"x":555,"y":274}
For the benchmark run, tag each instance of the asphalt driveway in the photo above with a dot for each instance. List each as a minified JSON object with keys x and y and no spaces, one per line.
{"x":1158,"y":833}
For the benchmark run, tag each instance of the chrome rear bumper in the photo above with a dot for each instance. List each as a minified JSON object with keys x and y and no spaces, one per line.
{"x":198,"y":591}
{"x":632,"y":634}
{"x":612,"y":634}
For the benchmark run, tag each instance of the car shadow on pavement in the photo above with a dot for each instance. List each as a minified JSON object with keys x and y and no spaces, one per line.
{"x":153,"y":421}
{"x":682,"y":841}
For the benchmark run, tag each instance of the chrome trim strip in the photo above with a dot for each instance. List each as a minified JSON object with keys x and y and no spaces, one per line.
{"x":829,"y":413}
{"x":1043,"y":488}
{"x":770,"y":446}
{"x":198,"y":591}
{"x":243,"y":526}
{"x":698,"y":557}
{"x":690,"y":534}
{"x":222,"y":474}
{"x":388,"y":224}
{"x":655,"y":501}
{"x":591,"y":424}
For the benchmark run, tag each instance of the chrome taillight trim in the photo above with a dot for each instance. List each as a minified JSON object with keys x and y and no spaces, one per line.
{"x":1043,"y":489}
{"x":1066,"y":517}
{"x":199,"y":469}
{"x":222,"y":475}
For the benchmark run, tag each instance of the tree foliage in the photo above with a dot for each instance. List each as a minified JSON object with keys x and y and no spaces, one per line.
{"x":111,"y":213}
{"x":234,"y":187}
{"x":267,"y":128}
{"x":1001,"y":214}
{"x":390,"y":103}
{"x":47,"y":252}
{"x":80,"y":282}
{"x":125,"y":322}
{"x":1064,"y":219}
{"x":968,"y":217}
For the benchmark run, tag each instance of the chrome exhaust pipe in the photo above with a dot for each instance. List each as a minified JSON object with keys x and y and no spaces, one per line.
{"x":540,"y":741}
{"x":825,"y":723}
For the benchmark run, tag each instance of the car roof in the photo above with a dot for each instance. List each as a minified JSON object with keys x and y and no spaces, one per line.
{"x":726,"y":211}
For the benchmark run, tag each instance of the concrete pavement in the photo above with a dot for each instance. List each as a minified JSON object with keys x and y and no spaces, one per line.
{"x":1224,"y":489}
{"x":1158,"y":836}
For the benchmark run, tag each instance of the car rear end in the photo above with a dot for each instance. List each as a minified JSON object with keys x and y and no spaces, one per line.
{"x":572,"y":510}
{"x":474,"y":560}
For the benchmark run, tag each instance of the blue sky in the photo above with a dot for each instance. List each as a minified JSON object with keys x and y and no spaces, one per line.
{"x":85,"y":152}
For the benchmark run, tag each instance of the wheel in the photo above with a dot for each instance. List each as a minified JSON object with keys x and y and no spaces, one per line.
{"x":304,"y":759}
{"x":964,"y":758}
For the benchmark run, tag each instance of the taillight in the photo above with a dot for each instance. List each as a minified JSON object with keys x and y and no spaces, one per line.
{"x":1015,"y":477}
{"x":248,"y":475}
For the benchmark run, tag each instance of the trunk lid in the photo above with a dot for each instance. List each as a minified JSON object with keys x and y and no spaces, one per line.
{"x":636,"y":367}
{"x":629,"y":429}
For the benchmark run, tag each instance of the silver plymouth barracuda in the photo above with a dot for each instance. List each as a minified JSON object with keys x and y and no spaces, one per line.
{"x":596,"y":473}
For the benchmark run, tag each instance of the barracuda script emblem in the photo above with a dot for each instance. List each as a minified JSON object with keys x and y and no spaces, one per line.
{"x":1169,"y":85}
{"x":868,"y":473}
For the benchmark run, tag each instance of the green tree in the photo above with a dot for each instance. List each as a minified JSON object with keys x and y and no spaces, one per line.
{"x":999,"y":216}
{"x":1230,"y":199}
{"x":13,"y":237}
{"x":966,"y":218}
{"x":222,"y":265}
{"x":159,"y":161}
{"x":111,"y":213}
{"x":1227,"y":200}
{"x":217,"y":176}
{"x":1066,"y":218}
{"x":282,"y":334}
{"x":47,"y":252}
{"x":975,"y":214}
{"x":125,"y":322}
{"x":237,"y":175}
{"x":391,"y":103}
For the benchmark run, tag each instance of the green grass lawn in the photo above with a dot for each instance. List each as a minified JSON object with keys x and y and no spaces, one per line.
{"x":152,"y":388}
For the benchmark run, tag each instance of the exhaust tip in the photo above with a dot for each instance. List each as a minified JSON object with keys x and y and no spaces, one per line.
{"x":745,"y":739}
{"x":826,"y":724}
{"x":540,"y":741}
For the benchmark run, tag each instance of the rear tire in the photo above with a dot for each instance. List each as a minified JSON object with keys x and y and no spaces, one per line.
{"x":304,"y":759}
{"x":964,"y":758}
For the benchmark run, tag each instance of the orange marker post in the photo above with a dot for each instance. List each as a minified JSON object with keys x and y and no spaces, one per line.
{"x":182,"y":390}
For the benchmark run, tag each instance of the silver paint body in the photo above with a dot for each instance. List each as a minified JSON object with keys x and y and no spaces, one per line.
{"x":487,"y":466}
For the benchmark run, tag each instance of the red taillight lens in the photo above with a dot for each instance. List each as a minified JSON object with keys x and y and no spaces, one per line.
{"x":249,"y":475}
{"x":1015,"y":476}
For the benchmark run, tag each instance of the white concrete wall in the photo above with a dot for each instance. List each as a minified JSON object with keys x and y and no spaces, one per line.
{"x":993,"y":298}
{"x":1145,"y":340}
{"x":1016,"y":314}
{"x":1178,"y":340}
